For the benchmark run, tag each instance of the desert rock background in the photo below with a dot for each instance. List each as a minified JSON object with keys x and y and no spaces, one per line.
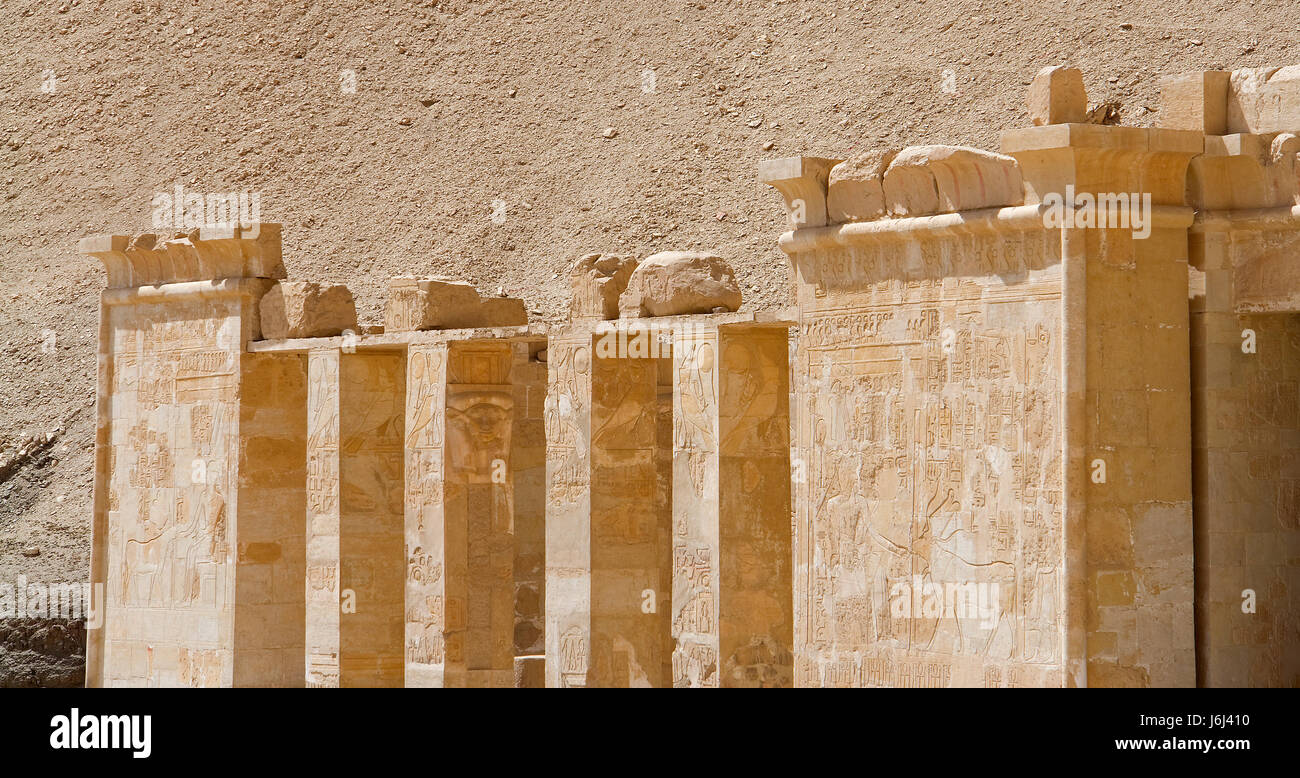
{"x":538,"y":113}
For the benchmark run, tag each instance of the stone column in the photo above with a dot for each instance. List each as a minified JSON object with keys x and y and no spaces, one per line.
{"x":479,"y":512}
{"x":568,"y":508}
{"x":460,"y":520}
{"x":1128,"y":388}
{"x":199,"y":484}
{"x":356,"y":405}
{"x":604,"y":539}
{"x":430,"y":653}
{"x":1245,"y":335}
{"x":528,"y":486}
{"x":732,"y":555}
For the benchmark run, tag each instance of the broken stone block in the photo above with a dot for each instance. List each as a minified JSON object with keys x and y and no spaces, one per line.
{"x":942,"y":179}
{"x":673,"y":283}
{"x":1195,"y":101}
{"x":501,"y":312}
{"x":1057,"y":96}
{"x":304,"y":309}
{"x":856,"y":190}
{"x":441,"y":304}
{"x":802,"y":184}
{"x":597,"y":281}
{"x":1262,"y":100}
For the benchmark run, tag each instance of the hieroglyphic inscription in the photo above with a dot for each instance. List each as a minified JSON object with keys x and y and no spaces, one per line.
{"x":322,"y":641}
{"x":932,"y":450}
{"x":173,"y":386}
{"x":426,"y":393}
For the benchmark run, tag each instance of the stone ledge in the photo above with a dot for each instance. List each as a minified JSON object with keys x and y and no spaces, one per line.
{"x":202,"y":254}
{"x":398,"y":341}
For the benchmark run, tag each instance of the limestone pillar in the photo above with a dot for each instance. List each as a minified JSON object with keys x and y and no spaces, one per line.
{"x":199,"y":483}
{"x":474,"y":443}
{"x":732,"y":614}
{"x":606,"y":523}
{"x":355,"y":576}
{"x":1245,"y":334}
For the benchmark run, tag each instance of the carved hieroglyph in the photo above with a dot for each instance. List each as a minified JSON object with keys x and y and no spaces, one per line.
{"x":732,"y":612}
{"x":197,"y":592}
{"x":992,"y":451}
{"x":930,"y":454}
{"x":668,"y":523}
{"x":355,"y":576}
{"x":607,"y":517}
{"x":473,"y":417}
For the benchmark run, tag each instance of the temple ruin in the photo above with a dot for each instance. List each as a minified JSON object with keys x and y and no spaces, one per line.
{"x":1032,"y":420}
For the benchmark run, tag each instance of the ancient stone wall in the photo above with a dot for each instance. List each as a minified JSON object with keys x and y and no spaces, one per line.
{"x":1030,"y":422}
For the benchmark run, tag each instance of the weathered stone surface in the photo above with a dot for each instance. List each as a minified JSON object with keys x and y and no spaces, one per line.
{"x":672,"y":283}
{"x":1056,"y":96}
{"x":432,"y":303}
{"x":802,"y":183}
{"x":923,"y":180}
{"x":597,"y":281}
{"x":201,"y":254}
{"x":1245,"y":171}
{"x":304,"y":309}
{"x":856,"y":188}
{"x":1262,"y":100}
{"x":42,"y":652}
{"x":1195,"y":101}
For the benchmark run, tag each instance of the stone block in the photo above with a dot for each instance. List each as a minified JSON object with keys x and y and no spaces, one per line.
{"x":673,"y":283}
{"x":303,"y":309}
{"x":856,"y":188}
{"x":597,"y":281}
{"x":444,"y":304}
{"x":1195,"y":101}
{"x":923,"y":180}
{"x":1264,"y":100}
{"x":1057,"y":96}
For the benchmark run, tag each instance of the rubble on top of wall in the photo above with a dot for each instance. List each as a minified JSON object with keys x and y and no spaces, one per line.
{"x":304,"y":309}
{"x":1250,"y":118}
{"x":670,"y":283}
{"x":674,"y":283}
{"x":443,"y":304}
{"x":1220,"y":102}
{"x":596,"y":282}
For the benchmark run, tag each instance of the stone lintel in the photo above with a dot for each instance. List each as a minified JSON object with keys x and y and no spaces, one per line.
{"x":397,"y":341}
{"x":1244,"y":171}
{"x":150,"y":259}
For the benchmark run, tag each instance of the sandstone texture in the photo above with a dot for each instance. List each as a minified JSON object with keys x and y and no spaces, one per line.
{"x":923,"y":180}
{"x":428,"y":304}
{"x":855,"y":189}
